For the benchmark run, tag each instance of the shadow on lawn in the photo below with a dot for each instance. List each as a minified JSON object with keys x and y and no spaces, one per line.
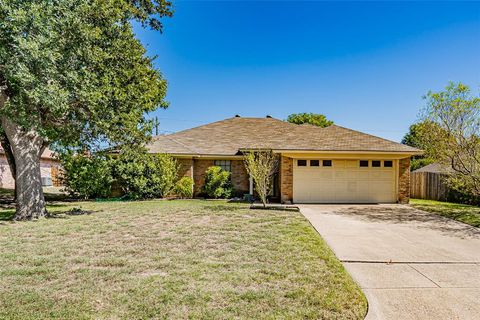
{"x":54,"y":200}
{"x":7,"y":215}
{"x":408,"y":215}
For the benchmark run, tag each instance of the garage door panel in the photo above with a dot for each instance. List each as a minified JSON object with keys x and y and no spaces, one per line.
{"x":344,"y":182}
{"x":359,"y":174}
{"x":380,"y":175}
{"x":340,"y":173}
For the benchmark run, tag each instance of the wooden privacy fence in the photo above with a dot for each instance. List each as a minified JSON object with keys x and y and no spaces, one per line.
{"x":428,"y":185}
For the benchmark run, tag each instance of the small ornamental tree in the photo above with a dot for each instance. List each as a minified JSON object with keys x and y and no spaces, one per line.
{"x":262,"y":166}
{"x":73,"y":75}
{"x":315,"y":119}
{"x":451,"y":134}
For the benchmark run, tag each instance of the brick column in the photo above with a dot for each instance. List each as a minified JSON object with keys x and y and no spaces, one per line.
{"x":404,"y":180}
{"x":286,"y":179}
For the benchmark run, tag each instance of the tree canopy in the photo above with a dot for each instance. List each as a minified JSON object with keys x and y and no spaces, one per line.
{"x":72,"y":74}
{"x":74,"y":71}
{"x":311,"y":118}
{"x":413,"y":138}
{"x":451,"y":134}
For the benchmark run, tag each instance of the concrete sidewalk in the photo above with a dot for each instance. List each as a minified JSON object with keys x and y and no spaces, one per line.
{"x":410,"y":264}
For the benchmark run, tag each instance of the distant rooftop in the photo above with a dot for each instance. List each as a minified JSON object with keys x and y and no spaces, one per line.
{"x":434,"y":168}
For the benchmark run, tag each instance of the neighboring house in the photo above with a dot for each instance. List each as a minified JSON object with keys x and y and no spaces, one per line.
{"x":435,"y":168}
{"x":318,"y":165}
{"x":49,"y":166}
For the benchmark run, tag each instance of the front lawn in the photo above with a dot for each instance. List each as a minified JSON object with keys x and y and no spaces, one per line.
{"x":171,"y":260}
{"x":461,"y":212}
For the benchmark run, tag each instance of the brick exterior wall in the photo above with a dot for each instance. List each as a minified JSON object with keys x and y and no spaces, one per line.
{"x":199,"y":168}
{"x":186,"y":166}
{"x":404,"y":180}
{"x":240,"y":179}
{"x":286,"y":179}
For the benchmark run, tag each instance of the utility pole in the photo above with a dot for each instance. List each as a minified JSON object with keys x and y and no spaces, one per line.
{"x":156,"y":124}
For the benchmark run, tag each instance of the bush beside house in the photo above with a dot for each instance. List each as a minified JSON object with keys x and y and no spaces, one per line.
{"x":217,"y":183}
{"x":131,"y":174}
{"x":145,"y":176}
{"x":184,"y":188}
{"x":86,"y":176}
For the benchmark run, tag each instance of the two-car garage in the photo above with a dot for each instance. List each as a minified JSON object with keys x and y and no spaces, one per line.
{"x":344,"y":181}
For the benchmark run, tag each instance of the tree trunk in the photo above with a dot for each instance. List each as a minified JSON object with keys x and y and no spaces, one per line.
{"x":6,"y":144}
{"x":7,"y":148}
{"x":27,"y":147}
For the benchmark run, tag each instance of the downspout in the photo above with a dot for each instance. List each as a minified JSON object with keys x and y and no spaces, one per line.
{"x":251,"y":185}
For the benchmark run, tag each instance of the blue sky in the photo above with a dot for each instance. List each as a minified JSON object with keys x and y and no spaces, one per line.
{"x":365,"y":65}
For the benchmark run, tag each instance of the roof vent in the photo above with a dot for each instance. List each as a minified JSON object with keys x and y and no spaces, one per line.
{"x":237,"y":116}
{"x":269,"y":116}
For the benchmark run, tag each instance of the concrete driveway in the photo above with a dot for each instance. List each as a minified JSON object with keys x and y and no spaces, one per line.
{"x":410,"y":264}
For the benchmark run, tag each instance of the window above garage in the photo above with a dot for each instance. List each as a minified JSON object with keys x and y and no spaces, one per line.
{"x":302,"y":163}
{"x":327,"y":163}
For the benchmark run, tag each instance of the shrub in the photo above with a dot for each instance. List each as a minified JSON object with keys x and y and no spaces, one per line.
{"x":143,"y":175}
{"x":86,"y":176}
{"x":184,"y":188}
{"x":459,"y":193}
{"x":217,"y":183}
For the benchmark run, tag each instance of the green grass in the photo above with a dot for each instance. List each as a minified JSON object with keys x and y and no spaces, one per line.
{"x":460,"y":212}
{"x":171,"y":260}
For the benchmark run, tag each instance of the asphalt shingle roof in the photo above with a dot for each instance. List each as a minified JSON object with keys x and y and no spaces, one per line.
{"x":228,"y":136}
{"x":435,"y":168}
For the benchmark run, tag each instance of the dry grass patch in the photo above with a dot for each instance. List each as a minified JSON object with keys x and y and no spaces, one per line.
{"x":171,"y":260}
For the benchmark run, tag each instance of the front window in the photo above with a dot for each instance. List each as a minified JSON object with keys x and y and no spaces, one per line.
{"x":226,"y":165}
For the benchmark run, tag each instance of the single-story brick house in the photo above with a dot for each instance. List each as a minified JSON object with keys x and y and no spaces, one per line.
{"x":318,"y":165}
{"x":49,"y":167}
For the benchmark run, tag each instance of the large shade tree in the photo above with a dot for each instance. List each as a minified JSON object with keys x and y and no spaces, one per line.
{"x":73,"y":74}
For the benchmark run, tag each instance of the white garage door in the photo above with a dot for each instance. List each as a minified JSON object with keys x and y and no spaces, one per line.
{"x":344,"y":181}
